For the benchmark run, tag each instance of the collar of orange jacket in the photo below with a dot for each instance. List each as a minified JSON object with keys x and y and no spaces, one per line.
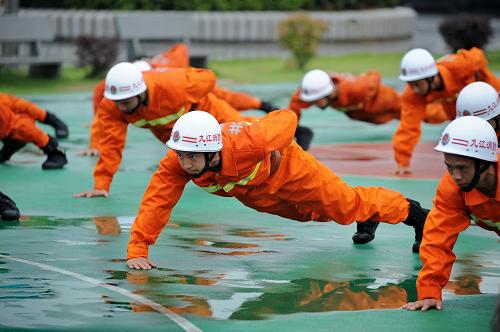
{"x":229,"y":166}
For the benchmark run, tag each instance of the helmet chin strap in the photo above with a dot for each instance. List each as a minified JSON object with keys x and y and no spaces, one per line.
{"x":478,"y":170}
{"x":429,"y":85}
{"x":140,"y":102}
{"x":329,"y":99}
{"x":496,"y":119}
{"x":209,"y":156}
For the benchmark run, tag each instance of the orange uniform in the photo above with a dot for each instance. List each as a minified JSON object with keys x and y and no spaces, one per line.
{"x":453,"y":209}
{"x":22,"y":106}
{"x":175,"y":57}
{"x":171,"y":93}
{"x":20,"y":127}
{"x":267,"y":171}
{"x":361,"y":97}
{"x":6,"y":121}
{"x":95,"y":135}
{"x":456,"y":71}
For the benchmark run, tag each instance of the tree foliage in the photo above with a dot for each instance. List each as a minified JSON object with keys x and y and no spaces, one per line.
{"x":210,"y":5}
{"x":300,"y":34}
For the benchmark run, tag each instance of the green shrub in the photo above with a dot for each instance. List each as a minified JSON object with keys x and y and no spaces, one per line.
{"x":466,"y":31}
{"x":300,"y":34}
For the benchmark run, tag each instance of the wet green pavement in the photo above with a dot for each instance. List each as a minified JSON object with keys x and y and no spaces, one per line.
{"x":222,"y":266}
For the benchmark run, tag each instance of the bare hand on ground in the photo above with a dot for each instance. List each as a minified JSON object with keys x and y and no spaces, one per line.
{"x":90,"y":152}
{"x":424,"y":305}
{"x":92,"y":193}
{"x":140,"y":263}
{"x":402,"y":170}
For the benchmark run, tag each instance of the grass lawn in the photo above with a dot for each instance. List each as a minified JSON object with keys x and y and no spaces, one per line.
{"x":244,"y":71}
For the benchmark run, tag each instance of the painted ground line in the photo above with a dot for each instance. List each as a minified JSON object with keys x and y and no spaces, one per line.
{"x":179,"y":320}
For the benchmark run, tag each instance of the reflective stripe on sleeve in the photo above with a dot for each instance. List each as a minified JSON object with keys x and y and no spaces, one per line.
{"x":160,"y":121}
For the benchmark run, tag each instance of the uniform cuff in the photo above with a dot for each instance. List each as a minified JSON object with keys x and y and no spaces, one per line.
{"x":429,"y":292}
{"x":137,"y":250}
{"x":102,"y":184}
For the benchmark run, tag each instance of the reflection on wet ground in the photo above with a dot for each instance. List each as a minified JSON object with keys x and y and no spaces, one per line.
{"x":294,"y":296}
{"x":220,"y":231}
{"x":107,"y":225}
{"x":223,"y":288}
{"x":278,"y":297}
{"x":42,"y":222}
{"x":311,"y":295}
{"x":222,"y":245}
{"x":143,"y":277}
{"x":257,"y":233}
{"x":216,"y":244}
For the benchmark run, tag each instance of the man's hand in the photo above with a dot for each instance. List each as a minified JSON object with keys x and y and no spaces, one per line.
{"x":402,"y":170}
{"x":90,"y":152}
{"x":423,"y":305}
{"x":92,"y":193}
{"x":140,"y":263}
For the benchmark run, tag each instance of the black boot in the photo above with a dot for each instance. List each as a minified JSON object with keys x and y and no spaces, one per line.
{"x":416,"y":218}
{"x":10,"y":146}
{"x":365,"y":232}
{"x":56,"y":158}
{"x":8,"y":209}
{"x":59,"y":126}
{"x":267,"y":107}
{"x":304,"y":136}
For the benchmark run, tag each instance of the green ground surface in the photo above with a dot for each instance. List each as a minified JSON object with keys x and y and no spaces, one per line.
{"x":223,"y":266}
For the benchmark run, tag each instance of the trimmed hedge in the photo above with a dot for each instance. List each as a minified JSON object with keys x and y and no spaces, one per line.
{"x":209,"y":5}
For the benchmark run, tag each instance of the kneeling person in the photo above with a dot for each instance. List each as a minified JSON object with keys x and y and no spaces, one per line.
{"x":18,"y":129}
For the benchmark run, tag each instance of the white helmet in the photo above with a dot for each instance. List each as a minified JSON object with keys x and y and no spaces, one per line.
{"x":124,"y":80}
{"x":479,"y":99}
{"x":196,"y":131}
{"x":417,"y":64}
{"x":315,"y":85}
{"x":469,"y":136}
{"x":142,"y":65}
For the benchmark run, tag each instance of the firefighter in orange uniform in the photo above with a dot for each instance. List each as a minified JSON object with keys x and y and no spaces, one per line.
{"x":361,"y":97}
{"x":153,"y":100}
{"x":22,"y":106}
{"x":469,"y":190}
{"x":176,"y":57}
{"x":438,"y":84}
{"x":18,"y":129}
{"x":259,"y":164}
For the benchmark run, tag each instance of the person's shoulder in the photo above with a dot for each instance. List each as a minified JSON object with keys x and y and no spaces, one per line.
{"x":109,"y":107}
{"x":410,"y":96}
